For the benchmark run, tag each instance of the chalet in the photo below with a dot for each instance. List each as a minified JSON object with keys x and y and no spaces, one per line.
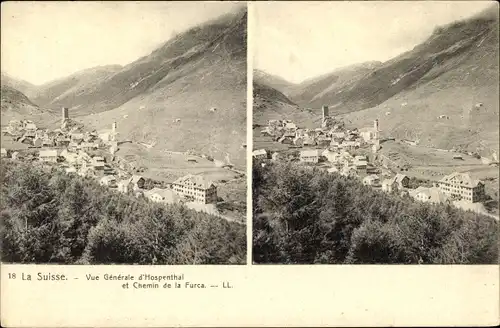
{"x":259,"y":154}
{"x":166,"y":196}
{"x":462,"y":186}
{"x":360,"y":162}
{"x":4,"y":153}
{"x":197,"y":188}
{"x":309,"y":156}
{"x":372,"y":180}
{"x":137,"y":182}
{"x":98,"y":162}
{"x":49,"y":156}
{"x":108,"y":180}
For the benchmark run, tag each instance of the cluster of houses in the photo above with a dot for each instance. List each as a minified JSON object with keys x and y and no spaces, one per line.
{"x":339,"y":143}
{"x":331,"y":134}
{"x":85,"y":154}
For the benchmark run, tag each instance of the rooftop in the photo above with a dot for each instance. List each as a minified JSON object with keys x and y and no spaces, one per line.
{"x":198,"y":181}
{"x":462,"y":179}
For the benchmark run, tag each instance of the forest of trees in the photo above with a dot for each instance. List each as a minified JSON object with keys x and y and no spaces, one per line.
{"x":305,"y":216}
{"x":48,"y":216}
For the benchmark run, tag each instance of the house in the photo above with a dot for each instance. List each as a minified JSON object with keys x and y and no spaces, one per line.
{"x":462,"y":186}
{"x":309,"y":156}
{"x":323,"y":141}
{"x":49,"y":156}
{"x":431,"y":195}
{"x":63,"y":141}
{"x":76,"y":136}
{"x":4,"y":153}
{"x":360,"y":162}
{"x":98,"y":162}
{"x":259,"y":154}
{"x":372,"y":180}
{"x":389,"y":185}
{"x":333,"y":170}
{"x":47,"y":142}
{"x":88,"y":146}
{"x":331,"y":156}
{"x":402,"y":181}
{"x":166,"y":196}
{"x":108,"y":180}
{"x":30,"y":127}
{"x":125,"y":186}
{"x":69,"y":157}
{"x":137,"y":182}
{"x":197,"y":188}
{"x":70,"y":169}
{"x":298,"y":141}
{"x":16,"y":155}
{"x":37,"y":142}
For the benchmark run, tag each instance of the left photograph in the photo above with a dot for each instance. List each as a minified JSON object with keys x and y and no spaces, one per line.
{"x":123,"y":133}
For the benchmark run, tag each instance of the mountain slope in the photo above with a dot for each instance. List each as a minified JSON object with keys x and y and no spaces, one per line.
{"x":454,"y":74}
{"x":17,"y":84}
{"x":16,"y":105}
{"x":313,"y":92}
{"x":55,"y":94}
{"x":166,"y":97}
{"x":273,"y":81}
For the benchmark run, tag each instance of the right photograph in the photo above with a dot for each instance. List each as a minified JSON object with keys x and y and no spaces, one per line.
{"x":375,"y":132}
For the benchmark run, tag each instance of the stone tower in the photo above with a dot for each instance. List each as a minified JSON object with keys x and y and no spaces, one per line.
{"x":324,"y":111}
{"x":64,"y":115}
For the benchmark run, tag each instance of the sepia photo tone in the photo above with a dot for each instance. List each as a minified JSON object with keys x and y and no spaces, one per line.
{"x":375,"y":132}
{"x":123,"y":132}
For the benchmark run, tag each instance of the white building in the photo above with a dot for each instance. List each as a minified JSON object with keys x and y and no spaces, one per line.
{"x":49,"y":156}
{"x":462,"y":187}
{"x":309,"y":156}
{"x":196,"y":188}
{"x":166,"y":196}
{"x":259,"y":154}
{"x":108,"y":180}
{"x":372,"y":180}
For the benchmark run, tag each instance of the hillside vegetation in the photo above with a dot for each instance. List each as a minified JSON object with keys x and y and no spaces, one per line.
{"x":48,"y":216}
{"x":308,"y":216}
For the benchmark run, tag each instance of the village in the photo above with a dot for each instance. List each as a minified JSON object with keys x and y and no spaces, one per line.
{"x":93,"y":155}
{"x":355,"y":153}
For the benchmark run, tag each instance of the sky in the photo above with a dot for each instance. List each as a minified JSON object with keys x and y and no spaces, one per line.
{"x":302,"y":40}
{"x":43,"y":41}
